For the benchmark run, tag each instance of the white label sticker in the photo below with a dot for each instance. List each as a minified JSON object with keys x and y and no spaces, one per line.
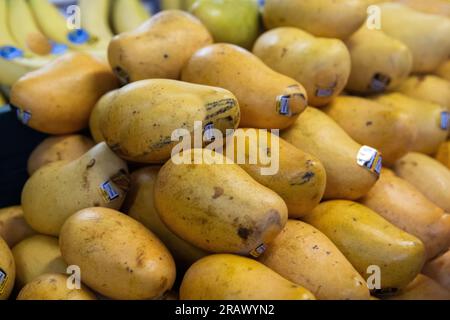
{"x":370,"y":159}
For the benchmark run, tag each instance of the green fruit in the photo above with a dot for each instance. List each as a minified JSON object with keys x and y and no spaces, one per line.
{"x":230,"y":21}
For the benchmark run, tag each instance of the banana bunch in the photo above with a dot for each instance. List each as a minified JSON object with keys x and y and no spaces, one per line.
{"x":127,"y":15}
{"x":18,"y":50}
{"x":34,"y":32}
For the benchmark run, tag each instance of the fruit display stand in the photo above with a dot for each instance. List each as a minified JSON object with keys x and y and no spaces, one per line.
{"x":224,"y":150}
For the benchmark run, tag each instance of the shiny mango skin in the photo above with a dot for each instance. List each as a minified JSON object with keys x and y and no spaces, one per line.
{"x":61,"y":95}
{"x":428,"y":175}
{"x":426,"y":35}
{"x":304,"y":255}
{"x":53,"y":286}
{"x":8,"y":266}
{"x":317,"y":134}
{"x":98,"y":114}
{"x":426,"y":115}
{"x":209,"y":205}
{"x":153,"y":51}
{"x":140,"y":204}
{"x":300,"y":179}
{"x":35,"y":256}
{"x":323,"y":18}
{"x":317,"y":63}
{"x":423,"y":288}
{"x":61,"y":188}
{"x":406,"y":207}
{"x":444,"y":70}
{"x":257,"y":87}
{"x":60,"y":148}
{"x":367,"y":239}
{"x":231,"y":277}
{"x":373,"y":124}
{"x":141,"y":117}
{"x":374,"y":52}
{"x":118,"y":257}
{"x":13,"y":227}
{"x":427,"y":87}
{"x":439,"y":269}
{"x":443,"y":154}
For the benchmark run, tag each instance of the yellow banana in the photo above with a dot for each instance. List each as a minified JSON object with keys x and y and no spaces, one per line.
{"x":56,"y":27}
{"x":14,"y":63}
{"x":127,"y":15}
{"x":95,"y":19}
{"x":25,"y":30}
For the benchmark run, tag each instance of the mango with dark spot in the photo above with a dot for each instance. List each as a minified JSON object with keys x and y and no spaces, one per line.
{"x":246,"y":216}
{"x":318,"y":134}
{"x":298,"y":177}
{"x":143,"y":53}
{"x":267,"y":99}
{"x":374,"y":124}
{"x":140,"y":120}
{"x":60,"y":189}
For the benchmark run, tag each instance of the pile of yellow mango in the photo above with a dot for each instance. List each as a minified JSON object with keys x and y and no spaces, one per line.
{"x":312,"y":164}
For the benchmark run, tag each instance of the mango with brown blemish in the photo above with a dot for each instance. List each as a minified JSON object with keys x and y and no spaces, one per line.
{"x":140,"y":119}
{"x":296,"y":176}
{"x":118,"y":257}
{"x":268,"y":99}
{"x":60,"y":148}
{"x":99,"y":178}
{"x":159,"y":48}
{"x":321,"y":65}
{"x":374,"y":124}
{"x":217,"y":207}
{"x":319,"y":135}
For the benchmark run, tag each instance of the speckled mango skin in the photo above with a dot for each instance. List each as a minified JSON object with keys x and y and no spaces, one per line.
{"x":231,"y":277}
{"x":366,"y":239}
{"x":140,"y":118}
{"x":159,"y":48}
{"x":336,"y":150}
{"x":53,"y":287}
{"x":399,"y":202}
{"x":300,"y":179}
{"x":304,"y":255}
{"x":118,"y":257}
{"x":257,"y":87}
{"x":209,"y":205}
